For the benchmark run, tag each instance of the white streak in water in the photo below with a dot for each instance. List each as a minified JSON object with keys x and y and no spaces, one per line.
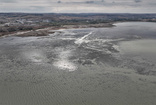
{"x":82,"y":39}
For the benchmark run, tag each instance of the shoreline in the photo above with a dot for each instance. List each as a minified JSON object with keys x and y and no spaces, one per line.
{"x":50,"y":30}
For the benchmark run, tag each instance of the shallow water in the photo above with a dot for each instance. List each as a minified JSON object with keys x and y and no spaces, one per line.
{"x":93,"y":66}
{"x":143,"y":48}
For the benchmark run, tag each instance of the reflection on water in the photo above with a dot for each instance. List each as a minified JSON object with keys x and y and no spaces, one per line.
{"x":63,"y":61}
{"x":35,"y":56}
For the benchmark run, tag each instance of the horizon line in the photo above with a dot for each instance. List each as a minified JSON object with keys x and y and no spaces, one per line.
{"x":68,"y":13}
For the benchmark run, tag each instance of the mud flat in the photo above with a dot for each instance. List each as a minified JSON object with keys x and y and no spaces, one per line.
{"x":50,"y":30}
{"x":91,"y":66}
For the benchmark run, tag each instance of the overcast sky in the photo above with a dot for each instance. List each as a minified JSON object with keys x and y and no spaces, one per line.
{"x":78,"y":6}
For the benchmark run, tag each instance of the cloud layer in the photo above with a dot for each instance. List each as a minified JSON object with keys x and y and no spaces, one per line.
{"x":81,"y":6}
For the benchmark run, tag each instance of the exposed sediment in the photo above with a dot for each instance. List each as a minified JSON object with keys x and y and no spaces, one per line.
{"x":48,"y":30}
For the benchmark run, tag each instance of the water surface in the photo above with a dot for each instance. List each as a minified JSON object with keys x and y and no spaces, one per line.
{"x":94,"y":66}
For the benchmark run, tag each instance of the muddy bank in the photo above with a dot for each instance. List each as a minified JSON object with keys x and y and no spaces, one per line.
{"x":48,"y":30}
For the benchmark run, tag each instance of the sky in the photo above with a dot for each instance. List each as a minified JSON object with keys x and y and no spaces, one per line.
{"x":78,"y":6}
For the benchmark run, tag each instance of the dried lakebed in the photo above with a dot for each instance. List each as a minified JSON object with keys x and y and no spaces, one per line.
{"x":112,"y":66}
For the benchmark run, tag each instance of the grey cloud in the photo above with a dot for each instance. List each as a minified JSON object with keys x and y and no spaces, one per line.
{"x":78,"y":6}
{"x":137,"y":1}
{"x":8,"y":1}
{"x":102,"y":0}
{"x":152,"y":4}
{"x":89,"y":2}
{"x":37,"y":7}
{"x":59,"y":2}
{"x":113,"y":2}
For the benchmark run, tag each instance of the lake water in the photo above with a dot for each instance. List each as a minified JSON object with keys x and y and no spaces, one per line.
{"x":145,"y":48}
{"x":94,"y":66}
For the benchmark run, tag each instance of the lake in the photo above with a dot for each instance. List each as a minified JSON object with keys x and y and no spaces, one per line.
{"x":92,"y":66}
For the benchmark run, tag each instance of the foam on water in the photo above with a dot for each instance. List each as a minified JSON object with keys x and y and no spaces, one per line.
{"x":82,"y":39}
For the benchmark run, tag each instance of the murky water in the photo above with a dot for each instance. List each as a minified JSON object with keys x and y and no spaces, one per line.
{"x":140,"y":48}
{"x":112,"y":66}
